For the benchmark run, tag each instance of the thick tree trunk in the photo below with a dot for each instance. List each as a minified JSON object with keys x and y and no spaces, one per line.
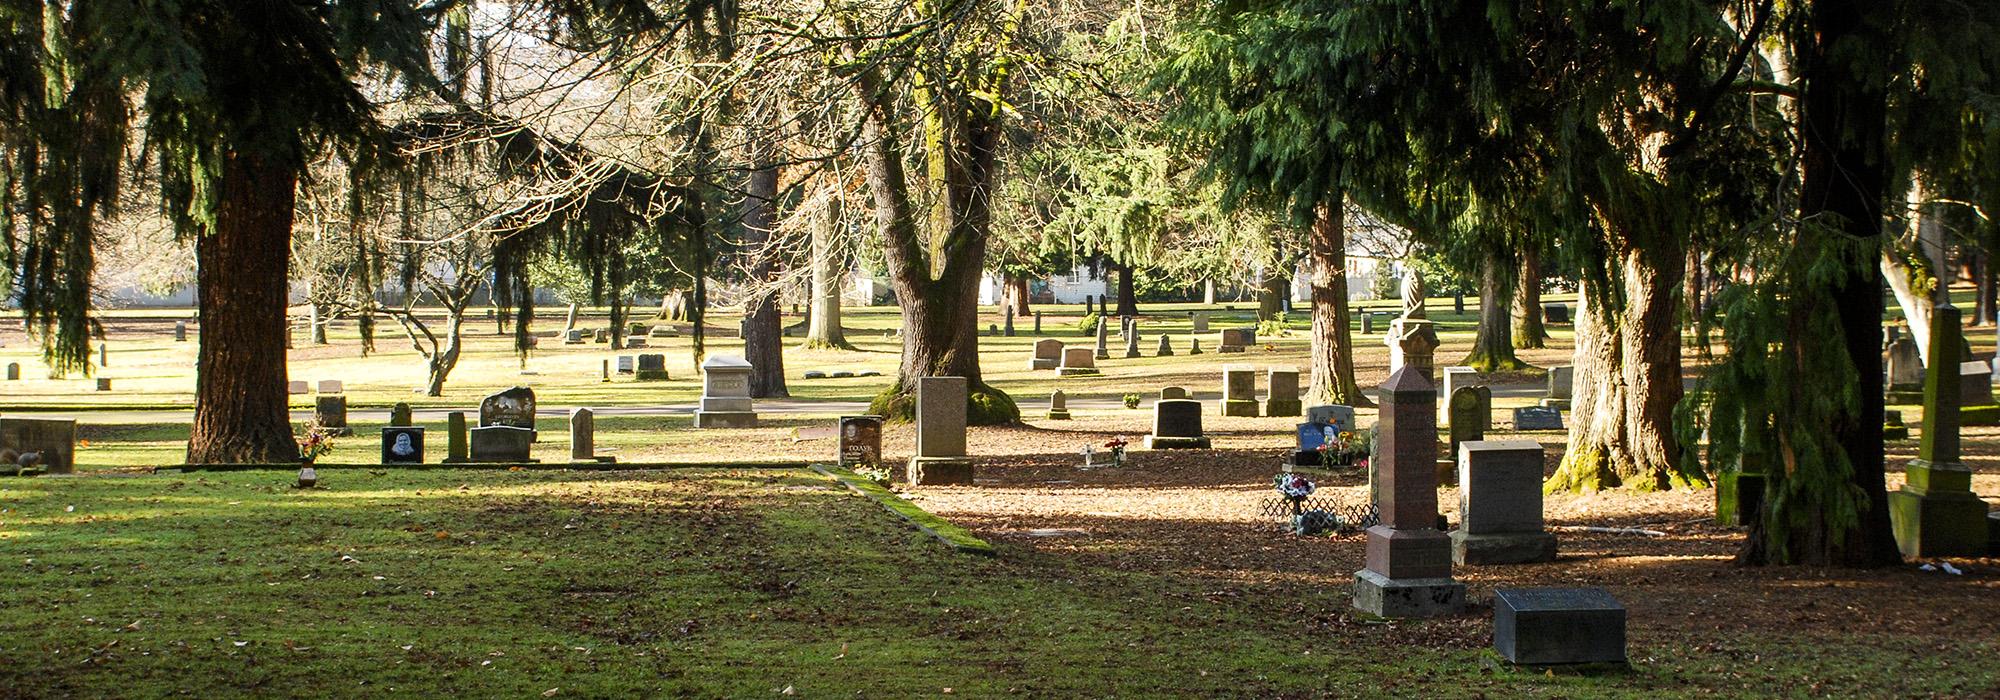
{"x":1208,"y":292}
{"x":1332,"y":341}
{"x":1014,"y":294}
{"x":240,"y":410}
{"x":1903,"y":281}
{"x":1843,"y":180}
{"x":1492,"y":345}
{"x":763,"y":327}
{"x":1128,"y":294}
{"x":1271,"y":293}
{"x":829,"y":267}
{"x":1528,"y":329}
{"x":1628,"y":380}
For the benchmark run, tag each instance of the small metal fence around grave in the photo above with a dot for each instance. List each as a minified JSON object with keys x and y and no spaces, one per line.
{"x":1351,"y":513}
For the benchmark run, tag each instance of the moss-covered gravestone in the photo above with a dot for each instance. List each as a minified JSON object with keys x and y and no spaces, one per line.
{"x":1935,"y":514}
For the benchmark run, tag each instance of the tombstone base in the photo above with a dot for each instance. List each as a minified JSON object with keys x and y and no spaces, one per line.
{"x":1502,"y":548}
{"x":1130,"y":354}
{"x":1988,"y":415}
{"x":1558,"y":626}
{"x":1382,"y":596}
{"x":1177,"y":443}
{"x":1229,"y":348}
{"x":939,"y":471}
{"x":599,"y":459}
{"x":1239,"y":407}
{"x":1931,"y":523}
{"x":1076,"y":371}
{"x":1042,"y":364}
{"x":1895,"y":432}
{"x":647,"y":375}
{"x":1557,"y":404}
{"x":725,"y":419}
{"x":1284,"y":407}
{"x":1905,"y":395}
{"x":1058,"y":414}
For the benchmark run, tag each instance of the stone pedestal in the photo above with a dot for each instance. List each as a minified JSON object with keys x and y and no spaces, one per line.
{"x":1935,"y":514}
{"x":725,"y":394}
{"x":1409,"y":560}
{"x":1500,"y":504}
{"x":940,"y":459}
{"x":457,"y":442}
{"x":1239,"y":390}
{"x":1412,"y":342}
{"x":1558,"y":626}
{"x":1382,"y":596}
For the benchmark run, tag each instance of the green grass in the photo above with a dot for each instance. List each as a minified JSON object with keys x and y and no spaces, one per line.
{"x":724,"y":583}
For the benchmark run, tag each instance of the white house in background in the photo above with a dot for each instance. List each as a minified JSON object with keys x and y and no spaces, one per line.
{"x":1361,"y":271}
{"x":1069,"y":288}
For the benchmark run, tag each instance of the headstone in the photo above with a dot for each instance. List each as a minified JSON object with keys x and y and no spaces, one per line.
{"x":993,"y":329}
{"x":1103,"y":337}
{"x":456,"y":448}
{"x":1008,"y":328}
{"x":652,"y":367}
{"x":1177,"y":425}
{"x":1237,"y":339}
{"x":664,"y":330}
{"x":331,"y":386}
{"x":1975,"y":383}
{"x":103,"y":356}
{"x":1038,"y":323}
{"x":512,"y":408}
{"x":1892,"y":426}
{"x":1500,"y":504}
{"x":403,"y":445}
{"x":1239,"y":390}
{"x":103,"y":384}
{"x":569,"y":320}
{"x":1562,"y":382}
{"x":296,"y":388}
{"x":1059,"y":404}
{"x":180,"y":331}
{"x":1367,"y":323}
{"x":54,"y":439}
{"x":725,"y":394}
{"x":1456,"y":377}
{"x":13,"y":371}
{"x":1077,"y":361}
{"x":860,"y":441}
{"x":1411,"y":343}
{"x":1200,"y":321}
{"x":1308,"y":438}
{"x":627,"y":364}
{"x":1173,"y":392}
{"x":1906,"y":368}
{"x":573,"y":336}
{"x":1334,"y":414}
{"x":842,"y":374}
{"x":636,"y":341}
{"x":1132,"y":344}
{"x":1935,"y":514}
{"x":1558,"y":626}
{"x":399,"y":416}
{"x":1471,"y":413}
{"x":1458,"y":303}
{"x":601,"y":335}
{"x":583,"y":436}
{"x":1555,"y":313}
{"x":1537,"y":418}
{"x":1048,"y":354}
{"x":1408,"y":572}
{"x":330,"y":412}
{"x":501,"y":443}
{"x":1284,"y":397}
{"x":940,"y":459}
{"x":1086,"y":305}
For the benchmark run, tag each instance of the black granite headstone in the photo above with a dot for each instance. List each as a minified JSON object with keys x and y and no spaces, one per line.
{"x":403,"y":445}
{"x":1558,"y":626}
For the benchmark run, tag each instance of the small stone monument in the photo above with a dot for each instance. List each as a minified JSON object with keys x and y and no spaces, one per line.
{"x":399,"y":416}
{"x":297,"y":388}
{"x":180,"y":331}
{"x":1166,"y":347}
{"x":1103,"y":337}
{"x":1199,"y":319}
{"x":103,"y":384}
{"x":1173,"y":392}
{"x":573,"y":336}
{"x":332,"y":386}
{"x":1500,"y":504}
{"x":1935,"y":514}
{"x":1077,"y":361}
{"x":1194,"y":346}
{"x":1059,"y":404}
{"x":860,"y":441}
{"x":1177,"y":425}
{"x":1409,"y":561}
{"x":652,"y":367}
{"x":1975,"y":383}
{"x":1239,"y":391}
{"x":1237,"y":339}
{"x":1471,"y":415}
{"x":403,"y":445}
{"x":1007,"y":328}
{"x":330,"y":412}
{"x":1558,"y":626}
{"x":940,"y":459}
{"x":1412,"y":342}
{"x":627,"y":364}
{"x":1132,"y":345}
{"x":456,"y":445}
{"x":13,"y":371}
{"x":725,"y":394}
{"x":1562,"y":383}
{"x":1338,"y":415}
{"x":569,"y":319}
{"x":1367,"y":323}
{"x":513,"y":408}
{"x":1537,"y":418}
{"x":583,"y":437}
{"x":1555,"y":313}
{"x":1906,"y":371}
{"x":1038,"y":323}
{"x":52,"y":438}
{"x":1284,"y":397}
{"x":1048,"y":354}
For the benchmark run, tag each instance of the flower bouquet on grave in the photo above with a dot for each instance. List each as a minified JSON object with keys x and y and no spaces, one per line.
{"x":873,"y":472}
{"x":1117,"y":446}
{"x":1349,"y":448}
{"x":317,"y":442}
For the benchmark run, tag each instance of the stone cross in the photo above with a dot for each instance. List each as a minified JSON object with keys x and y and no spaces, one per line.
{"x":1935,"y":514}
{"x":1409,"y":561}
{"x":1103,"y":337}
{"x":940,"y":459}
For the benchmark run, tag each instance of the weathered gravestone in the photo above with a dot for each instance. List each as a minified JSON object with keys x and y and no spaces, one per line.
{"x":601,"y":335}
{"x":583,"y":437}
{"x":53,"y":439}
{"x":1471,"y":415}
{"x":664,"y":330}
{"x":1500,"y":504}
{"x":1537,"y":418}
{"x":1059,"y":404}
{"x":1173,"y":392}
{"x":1562,"y":386}
{"x":1239,"y":391}
{"x":1007,"y":329}
{"x":180,"y":331}
{"x":1367,"y":323}
{"x":573,"y":336}
{"x":1558,"y":626}
{"x":1077,"y":361}
{"x":1166,"y":348}
{"x":725,"y":394}
{"x":627,"y":364}
{"x":1194,"y":346}
{"x":1038,"y":323}
{"x":1334,"y":414}
{"x":1906,"y":371}
{"x":1177,"y":425}
{"x":569,"y":319}
{"x":297,"y":388}
{"x":403,"y":445}
{"x":636,"y":341}
{"x":513,"y":408}
{"x":330,"y":412}
{"x":501,"y":443}
{"x":1237,"y":339}
{"x":651,"y":367}
{"x":1935,"y":514}
{"x":1555,"y":313}
{"x":1408,"y":572}
{"x":1132,"y":342}
{"x":13,"y":371}
{"x":1200,"y":321}
{"x":1454,"y":379}
{"x":1103,"y":338}
{"x":332,"y":386}
{"x":1975,"y":383}
{"x":399,"y":415}
{"x":1048,"y":354}
{"x":103,"y":384}
{"x":860,"y":441}
{"x":457,"y":447}
{"x":940,"y":459}
{"x":1283,"y":399}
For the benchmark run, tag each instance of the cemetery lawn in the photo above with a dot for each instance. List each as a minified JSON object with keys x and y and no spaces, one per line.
{"x":719,"y":582}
